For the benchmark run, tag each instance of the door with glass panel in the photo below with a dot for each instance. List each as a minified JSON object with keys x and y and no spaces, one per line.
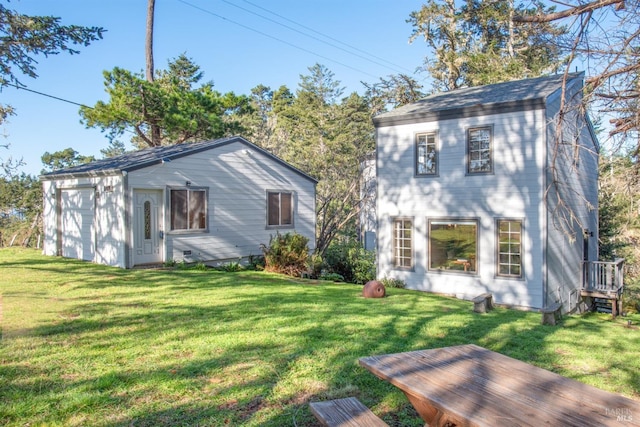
{"x":147,"y":227}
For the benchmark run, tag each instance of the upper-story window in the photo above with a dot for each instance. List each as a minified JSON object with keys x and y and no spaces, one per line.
{"x":480,"y":150}
{"x":426,"y":154}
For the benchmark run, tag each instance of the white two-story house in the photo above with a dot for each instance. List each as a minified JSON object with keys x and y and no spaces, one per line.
{"x":490,"y":189}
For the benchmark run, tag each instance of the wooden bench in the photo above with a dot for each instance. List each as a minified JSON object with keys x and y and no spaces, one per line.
{"x":348,"y":412}
{"x":483,"y":303}
{"x":551,"y":314}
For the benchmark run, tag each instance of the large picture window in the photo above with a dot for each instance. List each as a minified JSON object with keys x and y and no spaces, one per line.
{"x":509,"y":248}
{"x":453,"y":245}
{"x":279,"y":209}
{"x":479,"y":150}
{"x":426,"y":154}
{"x":188,"y":209}
{"x":403,"y":243}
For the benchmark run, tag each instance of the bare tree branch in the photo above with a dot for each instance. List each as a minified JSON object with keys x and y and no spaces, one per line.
{"x":574,"y":11}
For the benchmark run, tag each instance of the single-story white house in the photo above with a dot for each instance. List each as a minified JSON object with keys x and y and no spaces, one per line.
{"x":210,"y":202}
{"x":473,"y":187}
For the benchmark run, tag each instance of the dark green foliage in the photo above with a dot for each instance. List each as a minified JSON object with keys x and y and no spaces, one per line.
{"x":323,"y":133}
{"x":256,"y":263}
{"x":20,"y":205}
{"x":334,"y":277}
{"x":475,"y":43}
{"x":182,"y":111}
{"x":619,"y":224}
{"x":351,"y":261}
{"x":231,"y":267}
{"x":24,"y":37}
{"x":287,"y":253}
{"x":63,"y":159}
{"x":389,"y":282}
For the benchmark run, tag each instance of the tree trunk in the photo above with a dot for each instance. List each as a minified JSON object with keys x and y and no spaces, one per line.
{"x":151,"y":6}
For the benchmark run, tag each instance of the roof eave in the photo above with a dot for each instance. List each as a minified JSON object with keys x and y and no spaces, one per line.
{"x":85,"y":174}
{"x":461,"y":112}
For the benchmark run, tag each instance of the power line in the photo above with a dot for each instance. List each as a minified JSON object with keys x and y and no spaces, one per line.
{"x":275,"y":38}
{"x":47,"y":95}
{"x":393,"y":67}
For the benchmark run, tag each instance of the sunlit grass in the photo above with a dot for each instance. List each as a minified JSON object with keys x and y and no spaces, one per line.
{"x":90,"y":345}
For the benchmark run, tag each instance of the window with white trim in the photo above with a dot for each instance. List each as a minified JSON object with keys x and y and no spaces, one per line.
{"x":509,"y":248}
{"x":279,"y":209}
{"x":403,"y":243}
{"x":188,"y":208}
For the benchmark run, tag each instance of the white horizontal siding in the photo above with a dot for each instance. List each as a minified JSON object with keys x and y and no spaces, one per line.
{"x":107,"y":231}
{"x":514,"y":190}
{"x":237,"y":178}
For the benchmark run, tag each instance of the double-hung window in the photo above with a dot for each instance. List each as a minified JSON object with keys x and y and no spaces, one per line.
{"x":426,"y":154}
{"x":509,"y":248}
{"x":402,"y":243}
{"x":453,"y":245}
{"x":188,"y":209}
{"x":279,"y":209}
{"x":480,"y":150}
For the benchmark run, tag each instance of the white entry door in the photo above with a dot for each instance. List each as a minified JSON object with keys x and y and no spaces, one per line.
{"x":147,"y":227}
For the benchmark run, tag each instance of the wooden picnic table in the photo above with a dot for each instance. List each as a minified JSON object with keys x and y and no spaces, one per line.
{"x":468,"y":385}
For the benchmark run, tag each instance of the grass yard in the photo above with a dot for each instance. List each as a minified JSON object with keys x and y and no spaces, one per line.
{"x":88,"y":345}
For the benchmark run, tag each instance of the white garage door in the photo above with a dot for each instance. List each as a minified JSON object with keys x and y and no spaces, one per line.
{"x":77,"y":210}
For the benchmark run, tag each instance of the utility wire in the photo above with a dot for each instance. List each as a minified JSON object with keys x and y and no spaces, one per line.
{"x":47,"y":95}
{"x":329,"y":37}
{"x":275,"y":38}
{"x":394,"y":67}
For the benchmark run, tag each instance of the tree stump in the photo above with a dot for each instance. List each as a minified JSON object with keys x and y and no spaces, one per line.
{"x":373,"y":289}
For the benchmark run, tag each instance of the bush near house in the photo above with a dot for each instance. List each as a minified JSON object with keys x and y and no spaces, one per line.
{"x":286,"y":253}
{"x":351,"y":261}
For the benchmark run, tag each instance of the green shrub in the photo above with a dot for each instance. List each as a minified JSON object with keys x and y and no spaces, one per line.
{"x":389,"y":282}
{"x":314,"y":265}
{"x":287,"y":253}
{"x":256,"y":263}
{"x":334,"y":277}
{"x":631,"y":296}
{"x":231,"y":267}
{"x":350,"y":260}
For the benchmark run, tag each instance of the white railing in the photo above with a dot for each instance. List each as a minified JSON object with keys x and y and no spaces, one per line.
{"x":604,"y":276}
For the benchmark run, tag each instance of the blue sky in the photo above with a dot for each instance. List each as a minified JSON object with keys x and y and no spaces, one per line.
{"x":236,"y":49}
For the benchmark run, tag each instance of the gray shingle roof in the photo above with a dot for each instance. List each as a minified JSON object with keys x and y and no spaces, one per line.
{"x":479,"y":100}
{"x":150,"y":156}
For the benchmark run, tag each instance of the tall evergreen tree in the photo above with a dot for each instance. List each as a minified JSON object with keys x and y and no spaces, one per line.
{"x":478,"y":43}
{"x":328,"y":137}
{"x":182,"y":112}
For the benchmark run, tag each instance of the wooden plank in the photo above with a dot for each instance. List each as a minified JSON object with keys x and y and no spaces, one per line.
{"x":348,"y":412}
{"x":488,"y":389}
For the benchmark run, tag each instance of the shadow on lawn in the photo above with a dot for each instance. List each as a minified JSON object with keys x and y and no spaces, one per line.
{"x":242,"y":349}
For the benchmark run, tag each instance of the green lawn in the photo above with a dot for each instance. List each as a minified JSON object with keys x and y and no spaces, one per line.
{"x":84,"y":344}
